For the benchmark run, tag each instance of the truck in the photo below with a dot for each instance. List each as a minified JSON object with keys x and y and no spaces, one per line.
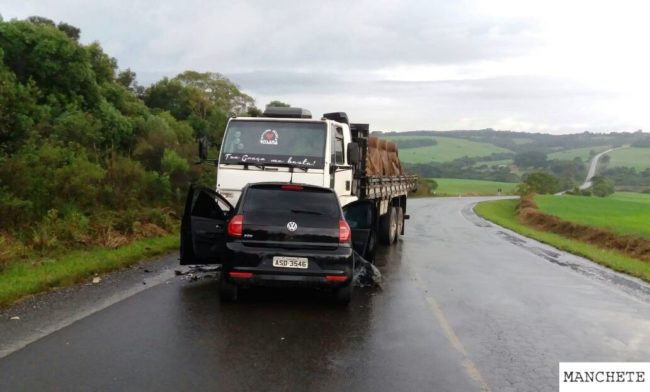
{"x":286,"y":145}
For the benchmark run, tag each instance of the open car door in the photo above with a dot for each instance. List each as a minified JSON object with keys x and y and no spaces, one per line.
{"x":361,"y":216}
{"x":203,"y":228}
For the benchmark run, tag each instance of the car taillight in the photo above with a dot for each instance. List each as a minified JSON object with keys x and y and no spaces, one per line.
{"x":345,"y":235}
{"x":241,"y":275}
{"x":292,"y":187}
{"x":236,"y":226}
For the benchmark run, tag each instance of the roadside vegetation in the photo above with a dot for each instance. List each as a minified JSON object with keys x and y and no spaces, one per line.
{"x":504,"y":213}
{"x":426,"y":188}
{"x":89,"y":158}
{"x":20,"y":279}
{"x":622,"y":252}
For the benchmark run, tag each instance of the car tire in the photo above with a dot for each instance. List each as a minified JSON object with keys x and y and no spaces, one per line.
{"x":387,"y":227}
{"x":343,"y":294}
{"x":228,"y":291}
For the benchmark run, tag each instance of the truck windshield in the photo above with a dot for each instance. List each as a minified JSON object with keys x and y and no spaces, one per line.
{"x":269,"y":142}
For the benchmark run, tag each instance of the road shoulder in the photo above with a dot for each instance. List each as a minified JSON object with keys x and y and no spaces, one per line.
{"x":43,"y":314}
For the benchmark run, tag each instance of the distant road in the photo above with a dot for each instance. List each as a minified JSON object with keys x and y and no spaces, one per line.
{"x":594,"y":165}
{"x":466,"y":306}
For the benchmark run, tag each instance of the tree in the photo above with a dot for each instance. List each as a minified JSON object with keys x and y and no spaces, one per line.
{"x":536,"y":159}
{"x":103,"y":65}
{"x":59,"y":66}
{"x":605,"y":159}
{"x":254,"y":111}
{"x":126,"y":78}
{"x":542,"y":183}
{"x":70,"y":30}
{"x":220,"y":90}
{"x":40,"y":20}
{"x":602,"y":186}
{"x":278,"y":104}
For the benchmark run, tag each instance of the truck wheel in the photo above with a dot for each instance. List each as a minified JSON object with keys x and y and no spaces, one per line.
{"x":400,"y":222}
{"x":387,"y":227}
{"x":343,"y":294}
{"x":228,"y":291}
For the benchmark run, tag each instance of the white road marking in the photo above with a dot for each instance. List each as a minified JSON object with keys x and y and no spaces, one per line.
{"x":469,"y":365}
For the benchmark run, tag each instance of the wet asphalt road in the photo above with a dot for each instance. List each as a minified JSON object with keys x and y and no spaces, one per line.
{"x":466,"y":306}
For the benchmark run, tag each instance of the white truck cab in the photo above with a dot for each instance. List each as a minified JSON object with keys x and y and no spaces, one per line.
{"x":287,"y":146}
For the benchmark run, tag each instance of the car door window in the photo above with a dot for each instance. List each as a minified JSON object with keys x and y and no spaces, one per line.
{"x":208,"y":205}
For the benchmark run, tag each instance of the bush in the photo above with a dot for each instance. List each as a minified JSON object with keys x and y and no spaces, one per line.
{"x":426,"y":186}
{"x":602,"y":187}
{"x":541,"y":183}
{"x":58,"y":231}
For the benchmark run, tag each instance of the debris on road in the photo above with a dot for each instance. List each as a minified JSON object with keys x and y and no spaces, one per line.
{"x":96,"y":279}
{"x":365,"y":273}
{"x":15,"y":318}
{"x":196,"y":272}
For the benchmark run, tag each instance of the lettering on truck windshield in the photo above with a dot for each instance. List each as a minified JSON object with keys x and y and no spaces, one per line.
{"x":269,"y":142}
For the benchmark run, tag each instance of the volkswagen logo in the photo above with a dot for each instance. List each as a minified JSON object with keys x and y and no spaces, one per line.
{"x":292,"y":226}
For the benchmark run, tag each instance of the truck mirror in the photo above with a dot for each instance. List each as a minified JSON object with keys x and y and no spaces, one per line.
{"x":354,"y":155}
{"x":203,"y":148}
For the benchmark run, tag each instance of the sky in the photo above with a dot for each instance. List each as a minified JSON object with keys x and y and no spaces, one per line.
{"x":541,"y":66}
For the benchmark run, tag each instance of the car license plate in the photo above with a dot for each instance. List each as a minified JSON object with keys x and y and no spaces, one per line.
{"x":290,"y":262}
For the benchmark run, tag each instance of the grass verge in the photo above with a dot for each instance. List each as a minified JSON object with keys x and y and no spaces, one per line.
{"x":503,"y":213}
{"x":621,"y":213}
{"x":466,"y":187}
{"x":20,"y":279}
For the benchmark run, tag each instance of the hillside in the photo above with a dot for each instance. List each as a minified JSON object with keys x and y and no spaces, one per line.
{"x":510,"y":156}
{"x":634,"y":157}
{"x":447,"y":149}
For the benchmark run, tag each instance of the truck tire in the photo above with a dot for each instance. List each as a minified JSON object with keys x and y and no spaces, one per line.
{"x":400,"y":222}
{"x":228,"y":291}
{"x":388,"y":227}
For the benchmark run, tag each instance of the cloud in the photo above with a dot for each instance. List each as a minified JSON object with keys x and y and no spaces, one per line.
{"x":400,"y":65}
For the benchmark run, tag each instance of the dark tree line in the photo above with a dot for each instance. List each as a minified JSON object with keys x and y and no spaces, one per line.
{"x":85,"y":150}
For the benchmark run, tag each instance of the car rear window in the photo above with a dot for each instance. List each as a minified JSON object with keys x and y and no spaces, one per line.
{"x":285,"y":200}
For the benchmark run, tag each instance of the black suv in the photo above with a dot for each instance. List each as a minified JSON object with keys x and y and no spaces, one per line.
{"x":278,"y":234}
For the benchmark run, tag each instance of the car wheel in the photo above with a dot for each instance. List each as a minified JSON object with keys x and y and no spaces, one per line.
{"x":228,"y":291}
{"x":343,"y":294}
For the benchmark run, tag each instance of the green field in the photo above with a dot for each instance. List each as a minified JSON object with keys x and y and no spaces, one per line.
{"x":624,"y":213}
{"x":636,"y":157}
{"x":502,"y":212}
{"x":454,"y":187}
{"x":582,"y":153}
{"x":446,"y":150}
